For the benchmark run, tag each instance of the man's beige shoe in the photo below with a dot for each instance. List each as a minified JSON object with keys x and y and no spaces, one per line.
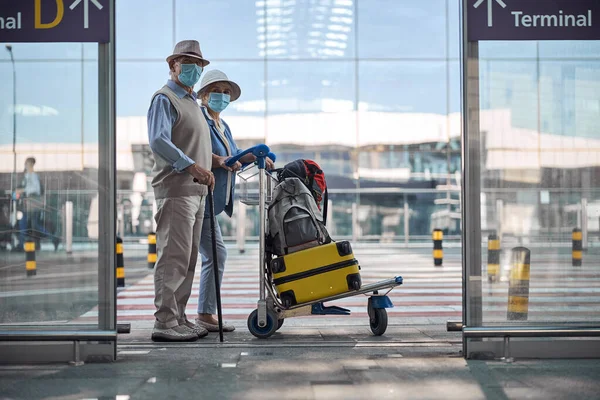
{"x":175,"y":334}
{"x":199,"y":330}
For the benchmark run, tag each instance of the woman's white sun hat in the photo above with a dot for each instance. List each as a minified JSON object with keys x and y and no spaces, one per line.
{"x":214,"y":76}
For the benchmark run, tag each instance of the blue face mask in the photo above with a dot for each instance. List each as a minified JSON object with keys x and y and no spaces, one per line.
{"x":218,"y":101}
{"x":190,"y":74}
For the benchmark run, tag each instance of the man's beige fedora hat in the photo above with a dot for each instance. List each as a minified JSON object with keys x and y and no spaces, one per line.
{"x":190,"y":48}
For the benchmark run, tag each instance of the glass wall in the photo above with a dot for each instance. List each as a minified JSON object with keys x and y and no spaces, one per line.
{"x":368,"y":89}
{"x":540,"y":178}
{"x":49,"y":184}
{"x":56,"y":232}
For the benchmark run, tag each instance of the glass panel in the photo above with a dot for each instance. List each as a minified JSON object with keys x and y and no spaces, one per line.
{"x":539,"y":181}
{"x":397,"y":87}
{"x":339,"y":219}
{"x":55,"y":220}
{"x":508,"y":50}
{"x":302,"y":29}
{"x":90,"y":103}
{"x":136,"y":83}
{"x":406,"y":145}
{"x":51,"y":51}
{"x":454,"y":103}
{"x":246,"y":115}
{"x":311,"y":104}
{"x":230,"y":29}
{"x":510,"y":86}
{"x":566,"y":49}
{"x":395,"y":29}
{"x":144,"y":29}
{"x":454,"y":34}
{"x":311,"y":115}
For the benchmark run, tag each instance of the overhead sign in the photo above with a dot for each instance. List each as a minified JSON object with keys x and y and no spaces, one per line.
{"x":54,"y":21}
{"x":533,"y":20}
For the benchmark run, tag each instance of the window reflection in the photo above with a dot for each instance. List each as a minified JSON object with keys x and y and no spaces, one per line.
{"x":47,"y":109}
{"x":56,"y":156}
{"x":136,"y":83}
{"x":144,"y":29}
{"x":392,"y":29}
{"x":540,"y":165}
{"x":403,"y":86}
{"x":225,"y":29}
{"x":299,"y":30}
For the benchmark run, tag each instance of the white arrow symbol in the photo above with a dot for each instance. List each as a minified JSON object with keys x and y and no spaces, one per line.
{"x":86,"y":10}
{"x":489,"y":2}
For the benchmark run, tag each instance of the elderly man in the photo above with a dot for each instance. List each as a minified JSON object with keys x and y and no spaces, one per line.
{"x":180,"y":141}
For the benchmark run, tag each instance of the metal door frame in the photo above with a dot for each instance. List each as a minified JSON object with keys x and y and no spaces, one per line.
{"x":484,"y":343}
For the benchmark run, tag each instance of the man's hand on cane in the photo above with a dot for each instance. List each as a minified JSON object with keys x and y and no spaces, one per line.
{"x":202,"y":176}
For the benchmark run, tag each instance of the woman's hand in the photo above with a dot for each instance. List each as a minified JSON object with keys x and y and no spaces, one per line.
{"x":270,"y":164}
{"x":223,"y":164}
{"x":250,"y":158}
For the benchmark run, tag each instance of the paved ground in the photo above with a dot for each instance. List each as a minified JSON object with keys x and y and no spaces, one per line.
{"x":418,"y":362}
{"x":558,"y":291}
{"x":311,"y":357}
{"x":65,"y":288}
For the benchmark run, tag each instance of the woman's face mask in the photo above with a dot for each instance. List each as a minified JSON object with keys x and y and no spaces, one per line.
{"x":218,"y":101}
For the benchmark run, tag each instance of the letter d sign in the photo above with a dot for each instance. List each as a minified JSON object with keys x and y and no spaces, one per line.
{"x":60,"y":11}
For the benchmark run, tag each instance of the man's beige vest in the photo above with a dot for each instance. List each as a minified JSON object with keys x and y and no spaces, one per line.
{"x":191,"y":135}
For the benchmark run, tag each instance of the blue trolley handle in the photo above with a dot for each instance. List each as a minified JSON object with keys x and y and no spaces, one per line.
{"x":260,"y":151}
{"x":272,"y":156}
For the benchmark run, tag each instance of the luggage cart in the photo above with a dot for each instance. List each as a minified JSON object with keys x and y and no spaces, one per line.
{"x":256,"y":186}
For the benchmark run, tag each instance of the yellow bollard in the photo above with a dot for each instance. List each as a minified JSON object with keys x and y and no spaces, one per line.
{"x":30,"y":263}
{"x":493,"y":267}
{"x":438,"y":252}
{"x":577,"y":247}
{"x":120,"y":272}
{"x":151,"y":250}
{"x":518,"y":289}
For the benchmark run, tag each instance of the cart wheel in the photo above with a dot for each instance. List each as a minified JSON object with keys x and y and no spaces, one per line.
{"x":280,"y":323}
{"x":379,"y":322}
{"x":267,"y":330}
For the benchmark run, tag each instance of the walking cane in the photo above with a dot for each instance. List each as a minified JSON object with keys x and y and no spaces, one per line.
{"x":211,"y":205}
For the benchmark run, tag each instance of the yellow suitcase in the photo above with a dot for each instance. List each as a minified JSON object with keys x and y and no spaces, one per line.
{"x":316,"y":273}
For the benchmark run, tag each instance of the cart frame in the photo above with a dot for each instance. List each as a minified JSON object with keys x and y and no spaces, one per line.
{"x":270,"y":311}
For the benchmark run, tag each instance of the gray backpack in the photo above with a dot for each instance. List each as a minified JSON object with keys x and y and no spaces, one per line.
{"x":295,"y":221}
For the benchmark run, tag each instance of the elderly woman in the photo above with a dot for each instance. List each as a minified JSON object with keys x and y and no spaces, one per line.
{"x":216,"y":92}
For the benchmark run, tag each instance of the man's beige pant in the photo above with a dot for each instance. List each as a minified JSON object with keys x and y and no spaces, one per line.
{"x":178,"y":227}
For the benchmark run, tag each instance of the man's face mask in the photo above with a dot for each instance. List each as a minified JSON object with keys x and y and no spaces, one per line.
{"x":190,"y":74}
{"x":218,"y":101}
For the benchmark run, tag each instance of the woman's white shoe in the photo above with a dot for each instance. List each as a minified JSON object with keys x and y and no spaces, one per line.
{"x":215,"y":327}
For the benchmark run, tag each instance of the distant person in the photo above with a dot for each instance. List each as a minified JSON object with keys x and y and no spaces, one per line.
{"x":216,"y":92}
{"x":30,"y":193}
{"x":180,"y":141}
